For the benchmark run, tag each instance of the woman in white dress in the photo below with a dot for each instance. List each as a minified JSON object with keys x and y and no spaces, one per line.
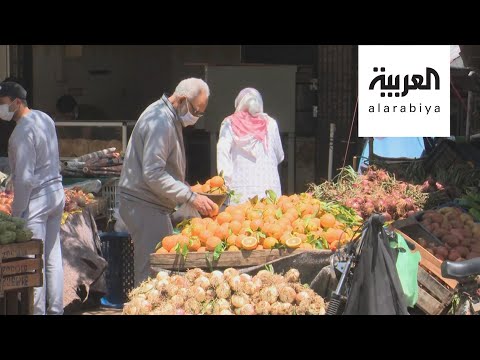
{"x":249,"y":148}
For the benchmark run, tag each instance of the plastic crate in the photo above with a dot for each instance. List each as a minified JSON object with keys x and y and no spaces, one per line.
{"x":110,"y":193}
{"x":117,"y":249}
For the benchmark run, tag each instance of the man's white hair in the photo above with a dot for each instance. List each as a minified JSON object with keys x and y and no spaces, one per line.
{"x":191,"y":88}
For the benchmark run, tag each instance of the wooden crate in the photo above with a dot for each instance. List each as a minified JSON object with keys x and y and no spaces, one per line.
{"x":235,"y":259}
{"x":435,"y":293}
{"x":21,"y":267}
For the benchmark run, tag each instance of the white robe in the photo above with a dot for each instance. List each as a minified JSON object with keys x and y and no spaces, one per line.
{"x":250,"y":169}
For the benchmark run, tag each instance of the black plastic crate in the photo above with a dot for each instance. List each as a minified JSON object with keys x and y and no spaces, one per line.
{"x":117,"y":249}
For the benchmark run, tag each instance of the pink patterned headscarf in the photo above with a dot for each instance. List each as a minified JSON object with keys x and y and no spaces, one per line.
{"x":249,"y":118}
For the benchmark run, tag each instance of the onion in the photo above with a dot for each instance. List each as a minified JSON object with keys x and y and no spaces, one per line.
{"x":230,"y":272}
{"x":179,"y":312}
{"x":276,"y":308}
{"x":249,"y":288}
{"x":179,"y":281}
{"x":183,"y":292}
{"x":247,"y":309}
{"x":162,"y":285}
{"x":292,"y":276}
{"x":286,"y":309}
{"x":167,"y":309}
{"x":264,"y":275}
{"x":208,"y":309}
{"x":210,"y":294}
{"x":225,"y":312}
{"x":223,"y":291}
{"x":192,"y":306}
{"x":262,"y":308}
{"x":245,"y":277}
{"x":153,"y":295}
{"x":177,"y":301}
{"x":234,"y":282}
{"x":197,"y":293}
{"x":301,"y":296}
{"x":316,"y":309}
{"x":172,"y":290}
{"x":287,"y":295}
{"x":203,"y":282}
{"x":216,"y":278}
{"x":220,"y":305}
{"x":269,"y":294}
{"x":162,"y":275}
{"x":194,"y":274}
{"x":238,"y":301}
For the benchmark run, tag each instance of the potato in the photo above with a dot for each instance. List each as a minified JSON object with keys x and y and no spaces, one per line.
{"x":467,"y":233}
{"x":462,"y":250}
{"x":442,"y":251}
{"x":466,"y":217}
{"x":437,"y":218}
{"x":426,"y":221}
{"x":453,"y":255}
{"x":446,"y":225}
{"x":430,"y":250}
{"x":472,"y":255}
{"x":466,"y":242}
{"x":435,"y":226}
{"x":459,"y":259}
{"x":440,"y":257}
{"x":429,"y":228}
{"x":456,"y":224}
{"x":475,"y":248}
{"x":458,"y":233}
{"x":439,"y":233}
{"x":451,"y":240}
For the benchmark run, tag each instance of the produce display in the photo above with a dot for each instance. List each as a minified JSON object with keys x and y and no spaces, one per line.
{"x":376,"y":191}
{"x":471,"y":201}
{"x":13,"y":229}
{"x":457,"y":231}
{"x":224,"y":293}
{"x":296,"y":221}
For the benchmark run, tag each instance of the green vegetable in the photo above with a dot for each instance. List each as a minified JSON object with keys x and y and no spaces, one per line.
{"x":23,"y":235}
{"x":7,"y":237}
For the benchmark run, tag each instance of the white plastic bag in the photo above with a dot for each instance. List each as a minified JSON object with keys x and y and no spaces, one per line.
{"x":119,"y":224}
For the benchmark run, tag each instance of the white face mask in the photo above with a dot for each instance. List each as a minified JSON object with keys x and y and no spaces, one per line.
{"x":188,"y":119}
{"x":5,"y":113}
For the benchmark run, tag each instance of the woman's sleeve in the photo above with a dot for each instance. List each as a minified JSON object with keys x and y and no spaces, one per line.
{"x":224,"y":151}
{"x":277,"y":142}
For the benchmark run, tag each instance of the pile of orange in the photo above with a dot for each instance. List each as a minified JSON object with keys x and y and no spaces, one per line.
{"x":215,"y":185}
{"x":297,"y":221}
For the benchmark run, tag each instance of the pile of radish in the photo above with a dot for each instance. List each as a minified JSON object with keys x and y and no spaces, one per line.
{"x":224,"y":293}
{"x":457,"y":231}
{"x":374,"y":192}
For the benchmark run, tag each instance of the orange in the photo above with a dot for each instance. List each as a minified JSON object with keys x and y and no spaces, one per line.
{"x":334,"y":245}
{"x":269,"y":243}
{"x":327,"y":221}
{"x":235,"y":227}
{"x":197,"y":188}
{"x":238,"y":216}
{"x":283,"y":239}
{"x":197,"y":229}
{"x":247,"y":224}
{"x":214,"y":212}
{"x":183,"y":240}
{"x":216,"y":181}
{"x":196,"y":221}
{"x":212,"y":227}
{"x":275,"y":231}
{"x":233,"y":248}
{"x":172,"y":251}
{"x":201,"y":249}
{"x":287,"y":205}
{"x":332,"y":235}
{"x":222,"y":232}
{"x":256,"y":224}
{"x":302,"y":237}
{"x":293,"y":242}
{"x":212,"y":243}
{"x":204,"y":236}
{"x":238,"y":240}
{"x":194,"y":244}
{"x":162,"y":250}
{"x":269,"y":219}
{"x":207,"y":221}
{"x":231,"y":240}
{"x":224,"y":217}
{"x":205,"y":188}
{"x":169,"y":242}
{"x":230,"y":209}
{"x":249,"y":243}
{"x":187,"y":232}
{"x":259,"y":247}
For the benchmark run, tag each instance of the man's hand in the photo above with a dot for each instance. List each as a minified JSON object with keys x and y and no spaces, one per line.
{"x":203,"y":204}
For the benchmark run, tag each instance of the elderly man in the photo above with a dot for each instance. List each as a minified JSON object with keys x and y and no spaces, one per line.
{"x":37,"y":185}
{"x":152,"y":183}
